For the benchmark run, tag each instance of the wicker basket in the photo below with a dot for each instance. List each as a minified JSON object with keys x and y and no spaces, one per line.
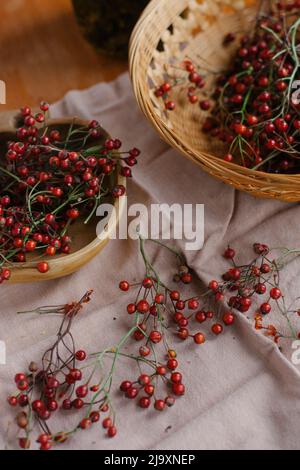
{"x":170,"y":31}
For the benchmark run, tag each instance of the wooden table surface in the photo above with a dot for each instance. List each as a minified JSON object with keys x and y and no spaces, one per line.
{"x":43,"y":54}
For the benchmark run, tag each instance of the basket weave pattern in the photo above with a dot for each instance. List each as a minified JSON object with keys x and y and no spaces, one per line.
{"x":170,"y":31}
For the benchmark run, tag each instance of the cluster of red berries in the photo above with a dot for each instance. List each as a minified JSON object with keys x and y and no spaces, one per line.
{"x":146,"y":385}
{"x":151,"y":313}
{"x":52,"y":398}
{"x":48,"y":179}
{"x":261,"y":121}
{"x":250,"y":282}
{"x":156,"y":309}
{"x":159,"y":315}
{"x":256,"y":110}
{"x":241,"y":288}
{"x":4,"y":274}
{"x":60,"y":385}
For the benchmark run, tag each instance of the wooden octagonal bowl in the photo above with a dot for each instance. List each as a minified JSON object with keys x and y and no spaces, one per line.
{"x":85,"y":243}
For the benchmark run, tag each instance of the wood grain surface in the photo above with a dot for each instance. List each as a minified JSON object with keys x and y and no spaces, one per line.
{"x":43,"y":54}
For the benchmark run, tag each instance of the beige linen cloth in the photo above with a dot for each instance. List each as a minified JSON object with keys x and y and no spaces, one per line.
{"x":242,"y":392}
